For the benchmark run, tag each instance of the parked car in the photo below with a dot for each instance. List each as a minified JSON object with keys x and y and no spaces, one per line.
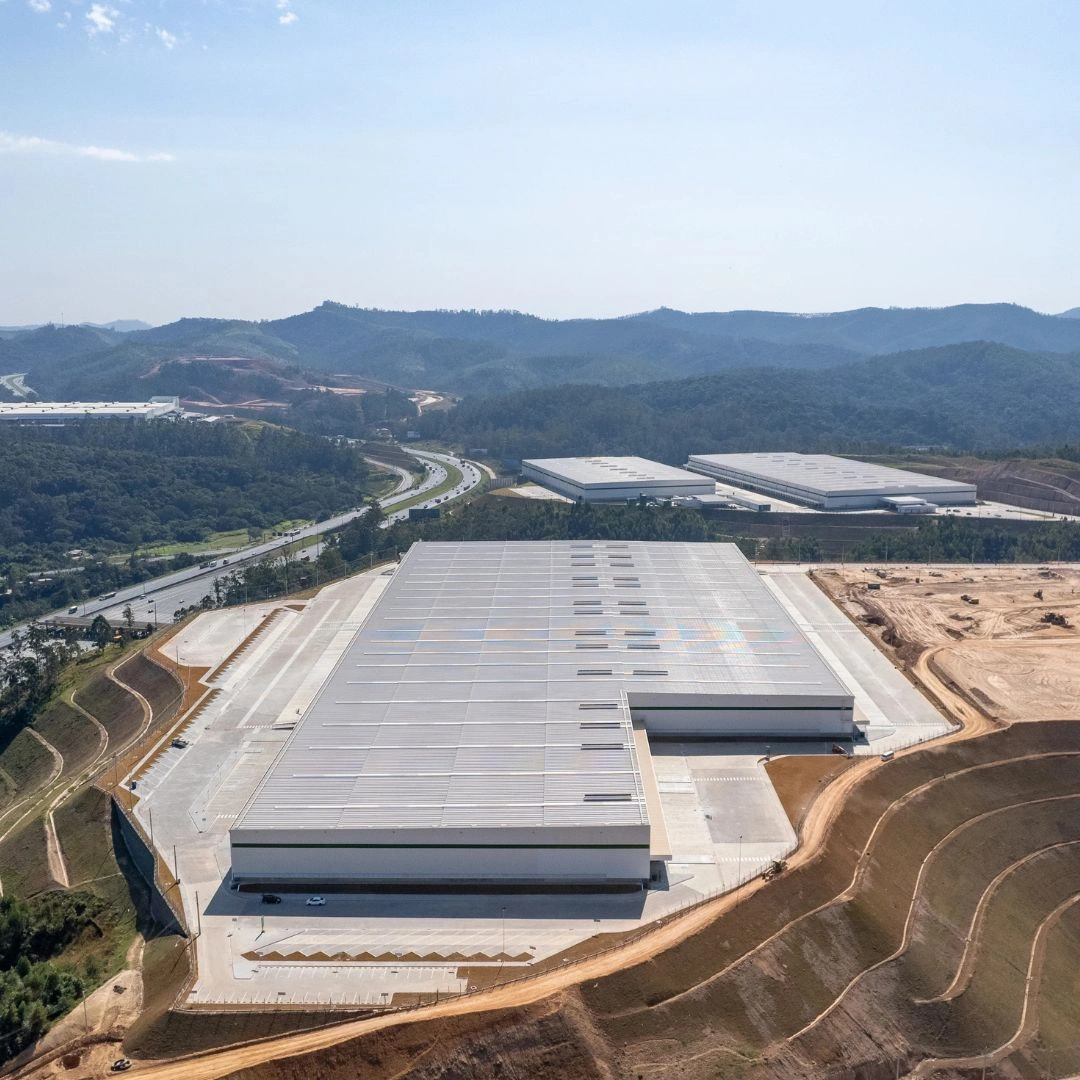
{"x":316,"y":901}
{"x":271,"y":898}
{"x":180,"y":744}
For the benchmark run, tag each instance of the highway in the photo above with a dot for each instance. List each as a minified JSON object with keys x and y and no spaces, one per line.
{"x":156,"y":600}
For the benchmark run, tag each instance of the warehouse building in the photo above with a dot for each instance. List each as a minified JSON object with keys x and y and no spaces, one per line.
{"x":66,"y":412}
{"x":490,"y":720}
{"x":611,"y":479}
{"x":833,"y":483}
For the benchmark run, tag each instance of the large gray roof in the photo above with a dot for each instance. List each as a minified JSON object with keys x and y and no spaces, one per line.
{"x":825,"y":474}
{"x":488,"y":686}
{"x":608,"y":471}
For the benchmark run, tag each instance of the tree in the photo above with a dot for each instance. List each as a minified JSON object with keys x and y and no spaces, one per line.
{"x":129,"y":618}
{"x":100,"y":631}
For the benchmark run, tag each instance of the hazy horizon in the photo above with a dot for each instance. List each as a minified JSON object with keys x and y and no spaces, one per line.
{"x":102,"y":323}
{"x":248,"y":160}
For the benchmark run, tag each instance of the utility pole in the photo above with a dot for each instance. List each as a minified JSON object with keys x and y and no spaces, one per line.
{"x":175,"y":865}
{"x":198,"y":916}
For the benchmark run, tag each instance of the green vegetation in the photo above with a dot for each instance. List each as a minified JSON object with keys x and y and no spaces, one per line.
{"x":34,"y":991}
{"x":219,"y":541}
{"x":486,"y":352}
{"x":30,"y":673}
{"x":108,"y":488}
{"x":970,"y":397}
{"x":57,"y":945}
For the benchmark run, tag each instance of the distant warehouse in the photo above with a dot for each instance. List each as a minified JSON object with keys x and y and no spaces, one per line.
{"x":612,"y":479}
{"x":66,"y":412}
{"x":834,"y":483}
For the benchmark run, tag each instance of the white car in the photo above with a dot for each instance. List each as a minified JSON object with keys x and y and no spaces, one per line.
{"x":316,"y":901}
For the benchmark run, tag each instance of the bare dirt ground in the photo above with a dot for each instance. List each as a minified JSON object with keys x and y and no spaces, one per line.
{"x":999,"y":651}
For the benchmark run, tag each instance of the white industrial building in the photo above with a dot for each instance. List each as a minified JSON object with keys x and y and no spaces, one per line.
{"x":834,"y":483}
{"x":65,"y":412}
{"x":490,"y":720}
{"x":610,"y":479}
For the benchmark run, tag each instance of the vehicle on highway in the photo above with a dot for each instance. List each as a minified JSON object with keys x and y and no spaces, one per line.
{"x":106,"y":596}
{"x":73,"y":610}
{"x":180,"y":744}
{"x":271,"y":898}
{"x":316,"y":901}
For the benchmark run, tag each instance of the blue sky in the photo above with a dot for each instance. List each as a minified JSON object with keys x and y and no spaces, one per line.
{"x":251,"y":158}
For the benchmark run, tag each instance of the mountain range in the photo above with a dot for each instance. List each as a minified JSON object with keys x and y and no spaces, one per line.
{"x":482,"y":353}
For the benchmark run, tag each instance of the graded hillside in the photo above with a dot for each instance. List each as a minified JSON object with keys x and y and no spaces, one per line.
{"x":1050,"y":485}
{"x":915,"y":939}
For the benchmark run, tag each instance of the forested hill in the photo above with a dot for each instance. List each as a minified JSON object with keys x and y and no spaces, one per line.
{"x":486,"y":353}
{"x":970,"y":397}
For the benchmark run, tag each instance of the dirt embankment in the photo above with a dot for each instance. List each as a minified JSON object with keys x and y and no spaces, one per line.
{"x":1052,"y":486}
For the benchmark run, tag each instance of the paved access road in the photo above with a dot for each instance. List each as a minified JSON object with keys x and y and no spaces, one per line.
{"x":157,"y":599}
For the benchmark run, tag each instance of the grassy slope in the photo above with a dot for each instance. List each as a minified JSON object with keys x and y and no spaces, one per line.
{"x":115,"y":709}
{"x":27,"y":763}
{"x":72,"y":734}
{"x":24,"y":862}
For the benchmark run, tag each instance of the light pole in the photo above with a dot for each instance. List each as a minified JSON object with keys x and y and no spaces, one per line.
{"x":738,"y":884}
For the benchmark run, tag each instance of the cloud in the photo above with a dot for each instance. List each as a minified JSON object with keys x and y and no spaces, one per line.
{"x":101,"y":19}
{"x":167,"y":39}
{"x":34,"y":144}
{"x":287,"y":17}
{"x":40,"y":6}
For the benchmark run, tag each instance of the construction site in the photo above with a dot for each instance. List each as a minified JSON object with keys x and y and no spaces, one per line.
{"x":908,"y":906}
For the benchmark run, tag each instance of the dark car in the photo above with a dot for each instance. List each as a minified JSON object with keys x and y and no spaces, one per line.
{"x":271,"y":898}
{"x":121,"y":1065}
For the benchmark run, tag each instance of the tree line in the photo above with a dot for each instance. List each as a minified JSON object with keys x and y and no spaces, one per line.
{"x":108,"y":487}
